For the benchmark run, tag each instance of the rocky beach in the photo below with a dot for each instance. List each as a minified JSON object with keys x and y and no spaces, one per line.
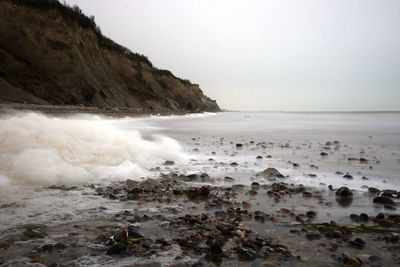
{"x":238,"y":189}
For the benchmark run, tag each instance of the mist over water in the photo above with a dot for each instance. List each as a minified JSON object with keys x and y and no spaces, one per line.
{"x":37,"y":149}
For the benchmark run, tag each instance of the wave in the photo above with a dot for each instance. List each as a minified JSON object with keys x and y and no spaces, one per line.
{"x":40,"y":149}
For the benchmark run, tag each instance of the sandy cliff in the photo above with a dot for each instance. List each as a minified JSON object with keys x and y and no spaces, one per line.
{"x":51,"y":54}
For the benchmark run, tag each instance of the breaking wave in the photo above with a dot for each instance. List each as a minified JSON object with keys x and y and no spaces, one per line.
{"x":40,"y":149}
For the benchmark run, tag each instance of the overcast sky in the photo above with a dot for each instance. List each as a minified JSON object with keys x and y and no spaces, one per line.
{"x":292,"y":55}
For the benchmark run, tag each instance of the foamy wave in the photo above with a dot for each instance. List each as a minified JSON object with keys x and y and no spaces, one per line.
{"x":40,"y":149}
{"x":189,"y":115}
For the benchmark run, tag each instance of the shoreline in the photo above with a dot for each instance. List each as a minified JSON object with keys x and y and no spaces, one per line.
{"x":70,"y":110}
{"x":242,"y":199}
{"x":176,"y":220}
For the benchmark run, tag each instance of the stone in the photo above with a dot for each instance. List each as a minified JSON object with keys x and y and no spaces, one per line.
{"x":384,"y":201}
{"x":271,"y":173}
{"x":347,"y":176}
{"x":246,"y":254}
{"x":169,"y":162}
{"x":344,"y":192}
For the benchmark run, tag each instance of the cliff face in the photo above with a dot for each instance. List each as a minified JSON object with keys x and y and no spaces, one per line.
{"x":49,"y":57}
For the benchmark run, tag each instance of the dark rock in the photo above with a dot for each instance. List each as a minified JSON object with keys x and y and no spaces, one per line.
{"x":347,"y":176}
{"x":344,"y":192}
{"x":374,"y":258}
{"x":259,"y":157}
{"x":220,"y":214}
{"x":118,"y":248}
{"x":324,"y":154}
{"x":389,"y":193}
{"x":255,"y":185}
{"x":357,"y":243}
{"x":351,"y":261}
{"x":169,"y":162}
{"x":229,"y":179}
{"x":246,"y":254}
{"x":311,"y":214}
{"x":163,"y":242}
{"x":373,"y":190}
{"x":239,"y":145}
{"x":313,"y":236}
{"x":384,"y":201}
{"x":364,"y":217}
{"x":306,"y":194}
{"x":34,"y":233}
{"x":60,"y":246}
{"x":271,"y":173}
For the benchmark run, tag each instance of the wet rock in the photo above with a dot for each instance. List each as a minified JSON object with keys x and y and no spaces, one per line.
{"x":323,"y":154}
{"x":259,"y":157}
{"x":338,"y":173}
{"x":271,"y":173}
{"x":374,"y":258}
{"x":34,"y":233}
{"x":389,"y":193}
{"x":389,"y":207}
{"x":347,"y":176}
{"x":354,"y":217}
{"x":252,"y":192}
{"x":234,"y":164}
{"x":364,"y":217}
{"x":255,"y":185}
{"x":129,"y":184}
{"x":60,"y":246}
{"x":169,"y":162}
{"x":132,"y":196}
{"x":313,"y":236}
{"x":239,"y":145}
{"x":311,"y":214}
{"x":353,"y":159}
{"x":384,"y":200}
{"x":373,"y":190}
{"x":350,"y":260}
{"x":220,"y":214}
{"x":193,"y":193}
{"x":118,"y":248}
{"x":46,"y":248}
{"x":357,"y":243}
{"x":344,"y":192}
{"x":163,"y":242}
{"x":229,"y":179}
{"x":246,"y":254}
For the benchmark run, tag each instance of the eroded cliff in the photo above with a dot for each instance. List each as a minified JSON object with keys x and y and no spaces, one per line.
{"x":53,"y":54}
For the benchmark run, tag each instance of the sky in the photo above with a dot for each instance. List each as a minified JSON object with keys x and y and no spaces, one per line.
{"x":283,"y":55}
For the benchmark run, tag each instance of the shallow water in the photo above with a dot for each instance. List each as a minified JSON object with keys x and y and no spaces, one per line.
{"x":295,"y":137}
{"x":287,"y":137}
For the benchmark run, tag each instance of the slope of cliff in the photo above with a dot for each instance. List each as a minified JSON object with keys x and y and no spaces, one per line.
{"x":54,"y":54}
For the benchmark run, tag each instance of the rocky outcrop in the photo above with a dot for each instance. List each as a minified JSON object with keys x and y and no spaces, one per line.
{"x":53,"y":54}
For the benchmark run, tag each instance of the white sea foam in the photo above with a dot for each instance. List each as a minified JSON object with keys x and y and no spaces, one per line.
{"x":40,"y":149}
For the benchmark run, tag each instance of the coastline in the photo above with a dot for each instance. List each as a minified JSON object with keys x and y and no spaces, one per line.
{"x":216,"y":210}
{"x":70,"y":110}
